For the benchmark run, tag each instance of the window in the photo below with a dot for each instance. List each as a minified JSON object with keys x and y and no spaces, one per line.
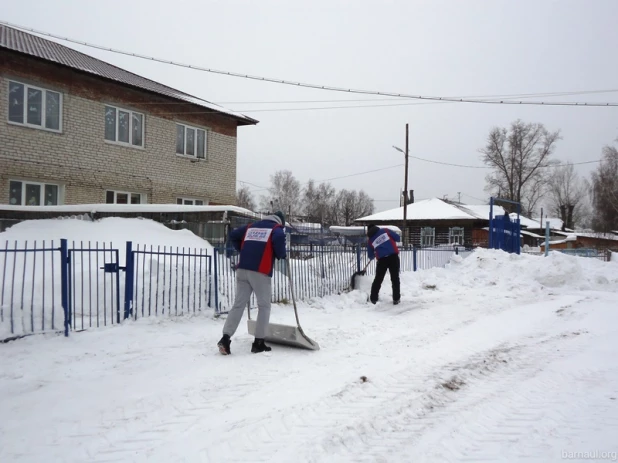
{"x":124,"y":197}
{"x":32,"y":193}
{"x":35,"y":107}
{"x":124,"y":126}
{"x":189,"y":202}
{"x":427,"y":236}
{"x":456,"y":235}
{"x":191,"y":141}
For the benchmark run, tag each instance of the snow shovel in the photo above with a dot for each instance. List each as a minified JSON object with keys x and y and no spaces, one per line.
{"x":358,"y":274}
{"x":285,"y":334}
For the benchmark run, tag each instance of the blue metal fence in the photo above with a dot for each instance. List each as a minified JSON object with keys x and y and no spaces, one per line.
{"x":317,"y":271}
{"x":587,"y":252}
{"x":164,"y":281}
{"x":81,"y":285}
{"x":30,"y":288}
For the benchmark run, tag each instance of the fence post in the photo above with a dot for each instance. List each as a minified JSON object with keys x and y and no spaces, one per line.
{"x":128,"y":282}
{"x":217,"y":310}
{"x":358,"y":258}
{"x":491,"y":222}
{"x":414,"y":258}
{"x":547,"y":238}
{"x":64,"y":277}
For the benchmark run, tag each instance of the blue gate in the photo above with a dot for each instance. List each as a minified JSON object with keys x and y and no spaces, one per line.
{"x":504,"y":232}
{"x":93,"y":281}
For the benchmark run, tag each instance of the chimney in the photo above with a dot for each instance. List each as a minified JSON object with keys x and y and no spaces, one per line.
{"x":411,"y":197}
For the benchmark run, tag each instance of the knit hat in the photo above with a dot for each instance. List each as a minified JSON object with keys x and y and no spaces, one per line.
{"x":372,"y":230}
{"x":281,"y":215}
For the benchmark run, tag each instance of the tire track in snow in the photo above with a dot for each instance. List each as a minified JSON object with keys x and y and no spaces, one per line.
{"x":206,"y":412}
{"x":365,"y":421}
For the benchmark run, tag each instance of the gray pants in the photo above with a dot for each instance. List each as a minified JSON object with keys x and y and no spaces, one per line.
{"x":247,"y":282}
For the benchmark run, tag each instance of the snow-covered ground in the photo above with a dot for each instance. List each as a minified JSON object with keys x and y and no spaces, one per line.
{"x":495,"y":358}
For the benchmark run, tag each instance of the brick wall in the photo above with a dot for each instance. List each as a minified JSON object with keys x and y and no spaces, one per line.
{"x":86,"y":165}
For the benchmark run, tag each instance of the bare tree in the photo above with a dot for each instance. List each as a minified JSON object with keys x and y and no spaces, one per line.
{"x":284,"y":194}
{"x":350,"y":205}
{"x":518,"y":158}
{"x":532,"y":194}
{"x":318,"y":202}
{"x":567,"y":195}
{"x":604,"y":186}
{"x":244,"y":198}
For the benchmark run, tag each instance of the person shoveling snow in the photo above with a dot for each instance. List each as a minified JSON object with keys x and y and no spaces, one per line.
{"x":259,"y":244}
{"x":383,"y":246}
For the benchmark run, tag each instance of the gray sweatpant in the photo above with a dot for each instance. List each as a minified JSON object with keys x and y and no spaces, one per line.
{"x":248,"y":282}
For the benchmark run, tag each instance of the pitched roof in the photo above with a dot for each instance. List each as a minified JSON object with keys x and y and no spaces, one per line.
{"x":33,"y":45}
{"x":428,"y":209}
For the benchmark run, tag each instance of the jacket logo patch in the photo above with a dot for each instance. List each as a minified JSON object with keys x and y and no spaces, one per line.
{"x":380,"y":240}
{"x":258,"y":234}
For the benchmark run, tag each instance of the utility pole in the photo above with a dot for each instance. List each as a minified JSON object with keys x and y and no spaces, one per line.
{"x":405,"y":197}
{"x":459,"y":197}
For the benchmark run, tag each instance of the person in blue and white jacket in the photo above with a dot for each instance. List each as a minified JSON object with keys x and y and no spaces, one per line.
{"x":259,"y":243}
{"x":382,"y":245}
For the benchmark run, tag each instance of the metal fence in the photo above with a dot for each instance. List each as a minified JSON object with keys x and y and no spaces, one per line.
{"x":54,"y":286}
{"x":317,"y":271}
{"x":601,"y":254}
{"x":168,"y":281}
{"x":30,"y":288}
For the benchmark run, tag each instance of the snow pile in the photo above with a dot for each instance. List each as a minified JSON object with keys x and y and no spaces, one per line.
{"x":489,"y":277}
{"x":522,"y":273}
{"x":114,"y":229}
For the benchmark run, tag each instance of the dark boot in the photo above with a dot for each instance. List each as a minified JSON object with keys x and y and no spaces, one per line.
{"x":224,"y":345}
{"x":259,"y":346}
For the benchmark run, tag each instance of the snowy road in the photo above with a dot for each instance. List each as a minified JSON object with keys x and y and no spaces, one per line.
{"x":483,"y":366}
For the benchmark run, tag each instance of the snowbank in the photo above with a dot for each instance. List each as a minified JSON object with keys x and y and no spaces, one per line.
{"x":114,"y":229}
{"x":525,"y":273}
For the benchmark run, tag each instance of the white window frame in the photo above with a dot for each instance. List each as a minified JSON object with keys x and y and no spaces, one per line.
{"x":124,"y":143}
{"x":460,"y":234}
{"x":42,"y":197}
{"x":192,"y":156}
{"x":142,"y":198}
{"x":183,"y":199}
{"x":43,"y":107}
{"x":428,"y":237}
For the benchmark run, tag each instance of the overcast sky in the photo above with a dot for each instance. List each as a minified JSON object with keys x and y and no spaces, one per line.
{"x":443,"y":48}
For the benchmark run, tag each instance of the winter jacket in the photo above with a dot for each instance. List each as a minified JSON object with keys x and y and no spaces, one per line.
{"x":383,"y":244}
{"x":259,"y":244}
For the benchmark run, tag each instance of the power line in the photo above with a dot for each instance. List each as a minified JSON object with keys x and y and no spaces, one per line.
{"x":313,"y":86}
{"x":420,"y":159}
{"x":343,"y":176}
{"x":507,"y":96}
{"x":489,"y":167}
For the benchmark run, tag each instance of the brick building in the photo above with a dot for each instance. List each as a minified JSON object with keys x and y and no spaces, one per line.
{"x":78,"y":130}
